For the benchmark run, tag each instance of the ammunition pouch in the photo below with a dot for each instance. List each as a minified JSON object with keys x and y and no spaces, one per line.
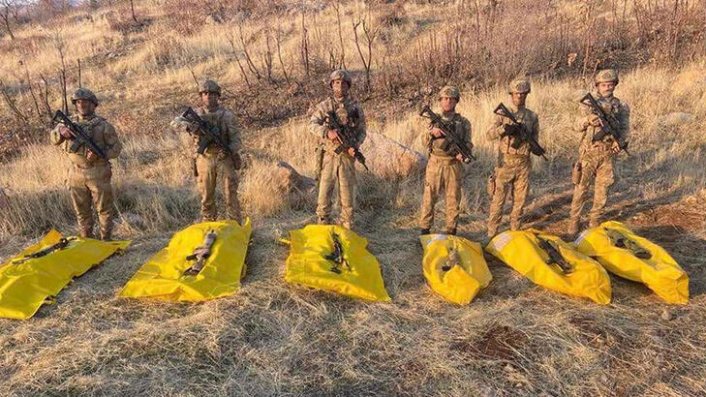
{"x":490,"y":185}
{"x":576,"y":173}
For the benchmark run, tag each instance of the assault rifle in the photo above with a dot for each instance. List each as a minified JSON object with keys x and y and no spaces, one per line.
{"x":452,"y":140}
{"x":555,"y":256}
{"x":345,"y":137}
{"x":619,"y":240}
{"x":609,"y":125}
{"x":521,"y":134}
{"x":209,"y":134}
{"x":200,"y":254}
{"x":60,"y":245}
{"x":80,"y":137}
{"x":337,"y":255}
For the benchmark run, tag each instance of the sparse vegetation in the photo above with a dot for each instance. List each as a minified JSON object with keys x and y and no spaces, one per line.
{"x":272,"y":59}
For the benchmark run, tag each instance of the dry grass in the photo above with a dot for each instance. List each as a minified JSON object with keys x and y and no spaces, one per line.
{"x":273,"y":339}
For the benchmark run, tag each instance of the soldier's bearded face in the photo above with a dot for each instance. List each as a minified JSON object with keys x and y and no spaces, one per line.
{"x":340,"y":88}
{"x":606,"y":89}
{"x":85,"y":107}
{"x":448,"y":104}
{"x":210,"y":99}
{"x":519,"y":98}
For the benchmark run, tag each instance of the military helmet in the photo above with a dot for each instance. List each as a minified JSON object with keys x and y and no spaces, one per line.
{"x":340,"y":74}
{"x":210,"y":86}
{"x":84,"y":93}
{"x":607,"y":75}
{"x":521,"y":86}
{"x":450,"y":91}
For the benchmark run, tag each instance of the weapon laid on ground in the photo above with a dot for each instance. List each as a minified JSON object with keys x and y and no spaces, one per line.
{"x":209,"y":134}
{"x":337,"y":256}
{"x":200,"y":254}
{"x":452,"y":259}
{"x":619,"y":240}
{"x":63,"y":243}
{"x":521,"y":133}
{"x":554,"y":255}
{"x":81,"y":138}
{"x":452,"y":140}
{"x":609,"y":125}
{"x":346,"y":137}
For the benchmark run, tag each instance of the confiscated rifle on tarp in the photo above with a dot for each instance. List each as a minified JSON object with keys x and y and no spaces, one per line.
{"x":449,"y":130}
{"x":201,"y":254}
{"x":337,"y":256}
{"x":209,"y":134}
{"x":345,"y":136}
{"x":521,"y":133}
{"x":80,"y":136}
{"x":609,"y":125}
{"x":555,"y":256}
{"x":452,"y":259}
{"x":60,"y":245}
{"x":619,"y":240}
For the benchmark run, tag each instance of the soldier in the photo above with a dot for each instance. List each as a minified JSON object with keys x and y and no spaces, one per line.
{"x":89,"y":176}
{"x":595,"y":163}
{"x":513,"y":161}
{"x":214,"y":158}
{"x":337,"y":169}
{"x":444,"y":169}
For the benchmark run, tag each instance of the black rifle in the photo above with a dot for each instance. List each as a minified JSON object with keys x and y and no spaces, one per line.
{"x":554,"y":255}
{"x":449,"y":130}
{"x":523,"y":135}
{"x":209,"y":134}
{"x":81,"y":138}
{"x":609,"y":125}
{"x":63,"y":243}
{"x":346,"y":137}
{"x":337,"y":255}
{"x":621,"y":241}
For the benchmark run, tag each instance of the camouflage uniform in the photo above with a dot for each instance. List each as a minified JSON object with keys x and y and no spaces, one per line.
{"x":513,"y":165}
{"x":444,"y":171}
{"x":89,"y":181}
{"x":595,"y":163}
{"x":215,"y":160}
{"x":337,"y":169}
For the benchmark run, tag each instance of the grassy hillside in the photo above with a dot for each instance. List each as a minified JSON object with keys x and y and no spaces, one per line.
{"x":274,"y":339}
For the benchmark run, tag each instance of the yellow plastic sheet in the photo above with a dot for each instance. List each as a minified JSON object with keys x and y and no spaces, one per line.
{"x":357,"y":275}
{"x":454,"y":267}
{"x":521,"y":251}
{"x":656,"y":269}
{"x":27,"y":283}
{"x":163,"y":278}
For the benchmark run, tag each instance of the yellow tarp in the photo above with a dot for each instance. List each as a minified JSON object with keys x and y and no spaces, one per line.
{"x":454,"y":267}
{"x":26,"y":283}
{"x":657,"y":269}
{"x":356,"y":275}
{"x":521,"y":251}
{"x":162,"y":277}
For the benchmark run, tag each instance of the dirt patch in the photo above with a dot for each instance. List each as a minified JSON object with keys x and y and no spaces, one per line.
{"x":499,"y":342}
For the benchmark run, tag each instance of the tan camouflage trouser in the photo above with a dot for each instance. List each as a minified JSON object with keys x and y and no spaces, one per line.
{"x":513,"y":176}
{"x":441,"y":174}
{"x":91,"y":187}
{"x":208,"y":168}
{"x":337,"y":170}
{"x":598,"y":169}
